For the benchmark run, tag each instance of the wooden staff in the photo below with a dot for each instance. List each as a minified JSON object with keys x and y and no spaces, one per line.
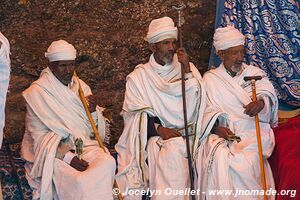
{"x":191,"y":174}
{"x":261,"y":162}
{"x":95,"y":130}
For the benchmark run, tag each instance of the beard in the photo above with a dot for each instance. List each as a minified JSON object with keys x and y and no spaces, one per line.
{"x":237,"y":67}
{"x":168,"y":58}
{"x":65,"y":79}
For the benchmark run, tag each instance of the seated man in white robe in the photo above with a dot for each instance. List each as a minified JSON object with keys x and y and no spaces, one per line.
{"x":55,"y":118}
{"x":151,"y":150}
{"x":233,"y":165}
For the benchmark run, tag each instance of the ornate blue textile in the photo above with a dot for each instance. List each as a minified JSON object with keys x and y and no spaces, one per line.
{"x":272,"y":30}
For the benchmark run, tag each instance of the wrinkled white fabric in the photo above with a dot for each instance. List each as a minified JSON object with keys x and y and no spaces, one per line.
{"x":226,"y":37}
{"x":161,"y":29}
{"x":156,"y":90}
{"x":231,"y":165}
{"x":54,"y":114}
{"x":168,"y":167}
{"x":4,"y":79}
{"x":60,"y":50}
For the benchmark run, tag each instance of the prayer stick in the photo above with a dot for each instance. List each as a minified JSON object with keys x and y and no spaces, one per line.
{"x":188,"y":150}
{"x":89,"y":115}
{"x":261,"y":162}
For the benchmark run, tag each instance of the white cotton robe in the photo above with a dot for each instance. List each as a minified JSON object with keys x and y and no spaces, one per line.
{"x":235,"y":166}
{"x":156,"y":90}
{"x":4,"y":80}
{"x":55,"y":113}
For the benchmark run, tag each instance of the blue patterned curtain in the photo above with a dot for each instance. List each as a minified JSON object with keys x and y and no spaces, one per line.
{"x":272,"y":29}
{"x":214,"y":59}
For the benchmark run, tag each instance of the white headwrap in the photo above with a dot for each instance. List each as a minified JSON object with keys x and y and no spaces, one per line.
{"x":161,"y":29}
{"x":226,"y":37}
{"x":60,"y":50}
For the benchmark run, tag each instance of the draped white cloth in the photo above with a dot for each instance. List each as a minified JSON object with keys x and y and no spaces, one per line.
{"x":156,"y":90}
{"x":4,"y":79}
{"x":55,"y":114}
{"x":235,"y":166}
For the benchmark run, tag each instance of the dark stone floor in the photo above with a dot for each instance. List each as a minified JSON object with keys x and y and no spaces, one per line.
{"x":10,"y":160}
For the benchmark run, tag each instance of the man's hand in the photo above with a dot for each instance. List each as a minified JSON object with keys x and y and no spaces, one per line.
{"x":183,"y":58}
{"x":167,"y":133}
{"x":222,"y":132}
{"x":91,"y":99}
{"x":254,"y":107}
{"x":80,"y":165}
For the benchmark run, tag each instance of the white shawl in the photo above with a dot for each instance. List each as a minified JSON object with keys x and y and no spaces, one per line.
{"x":236,"y":92}
{"x":4,"y":79}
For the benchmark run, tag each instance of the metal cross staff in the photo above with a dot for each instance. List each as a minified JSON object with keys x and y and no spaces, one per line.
{"x":191,"y":174}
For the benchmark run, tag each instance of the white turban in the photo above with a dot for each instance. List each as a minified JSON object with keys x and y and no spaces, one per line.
{"x":60,"y":50}
{"x":226,"y":37}
{"x":161,"y":29}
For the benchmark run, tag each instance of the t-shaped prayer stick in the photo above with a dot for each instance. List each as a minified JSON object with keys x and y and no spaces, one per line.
{"x":259,"y":146}
{"x":249,"y":78}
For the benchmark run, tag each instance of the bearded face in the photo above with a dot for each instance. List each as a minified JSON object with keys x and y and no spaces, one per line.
{"x":233,"y":58}
{"x":164,"y":51}
{"x":63,"y":70}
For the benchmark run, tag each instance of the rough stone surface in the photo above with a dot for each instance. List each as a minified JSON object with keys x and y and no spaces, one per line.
{"x":108,"y":34}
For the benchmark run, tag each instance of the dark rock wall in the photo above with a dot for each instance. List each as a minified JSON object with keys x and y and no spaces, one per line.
{"x":108,"y":34}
